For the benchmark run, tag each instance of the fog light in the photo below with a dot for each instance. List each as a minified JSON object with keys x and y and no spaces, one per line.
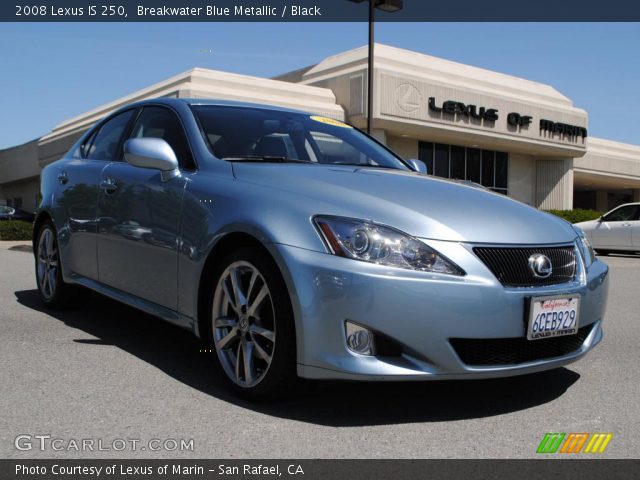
{"x":359,"y":339}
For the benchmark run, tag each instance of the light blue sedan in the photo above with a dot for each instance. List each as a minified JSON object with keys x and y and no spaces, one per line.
{"x":294,"y":245}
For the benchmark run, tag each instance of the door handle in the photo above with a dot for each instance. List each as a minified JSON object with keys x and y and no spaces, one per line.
{"x":626,"y":224}
{"x":63,"y":178}
{"x":109,"y":185}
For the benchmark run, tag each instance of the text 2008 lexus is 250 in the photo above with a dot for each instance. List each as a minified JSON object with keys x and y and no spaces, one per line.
{"x":295,"y":246}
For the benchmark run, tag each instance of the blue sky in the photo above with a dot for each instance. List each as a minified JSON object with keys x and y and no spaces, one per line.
{"x":50,"y":72}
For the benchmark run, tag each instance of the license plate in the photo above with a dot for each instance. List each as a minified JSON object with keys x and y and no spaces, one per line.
{"x":553,"y":316}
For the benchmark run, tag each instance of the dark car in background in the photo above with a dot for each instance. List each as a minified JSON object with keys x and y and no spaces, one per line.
{"x":10,"y":213}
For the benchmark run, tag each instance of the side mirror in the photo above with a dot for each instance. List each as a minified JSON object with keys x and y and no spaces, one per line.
{"x":152,"y":153}
{"x":418,"y":166}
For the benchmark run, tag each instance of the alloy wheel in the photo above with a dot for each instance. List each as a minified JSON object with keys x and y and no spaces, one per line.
{"x":48,"y":263}
{"x":244,"y":326}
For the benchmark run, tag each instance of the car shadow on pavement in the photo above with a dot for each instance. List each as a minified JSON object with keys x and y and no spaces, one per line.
{"x":345,"y":404}
{"x":629,"y":255}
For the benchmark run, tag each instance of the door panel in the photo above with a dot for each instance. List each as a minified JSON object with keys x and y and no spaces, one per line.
{"x":78,"y":199}
{"x":635,"y":231}
{"x":635,"y":234}
{"x":79,"y":179}
{"x":612,"y":234}
{"x":139,"y":220}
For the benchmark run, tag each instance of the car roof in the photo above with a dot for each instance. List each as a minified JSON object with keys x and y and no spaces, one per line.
{"x":635,"y":204}
{"x":216,"y":102}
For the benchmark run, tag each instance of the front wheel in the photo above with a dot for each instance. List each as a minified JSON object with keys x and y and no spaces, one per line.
{"x":251,"y":325}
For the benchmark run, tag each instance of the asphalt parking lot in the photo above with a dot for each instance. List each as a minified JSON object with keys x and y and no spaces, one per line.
{"x":106,"y":371}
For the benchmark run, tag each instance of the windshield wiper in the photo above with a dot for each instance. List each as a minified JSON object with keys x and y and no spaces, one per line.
{"x":361,"y":166}
{"x":265,"y":158}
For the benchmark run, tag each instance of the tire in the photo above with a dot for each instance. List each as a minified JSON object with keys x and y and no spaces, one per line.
{"x":251,"y":332}
{"x":54,"y":291}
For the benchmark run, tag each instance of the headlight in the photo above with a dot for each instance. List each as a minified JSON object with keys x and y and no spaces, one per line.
{"x":585,"y":247}
{"x":368,"y":242}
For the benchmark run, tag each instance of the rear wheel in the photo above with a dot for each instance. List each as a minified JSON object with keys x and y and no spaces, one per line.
{"x":251,"y":325}
{"x":54,"y":291}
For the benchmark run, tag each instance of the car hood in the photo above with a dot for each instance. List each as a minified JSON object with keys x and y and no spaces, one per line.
{"x":422,"y":206}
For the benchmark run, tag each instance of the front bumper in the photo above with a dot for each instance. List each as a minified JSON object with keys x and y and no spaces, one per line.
{"x":420,"y":312}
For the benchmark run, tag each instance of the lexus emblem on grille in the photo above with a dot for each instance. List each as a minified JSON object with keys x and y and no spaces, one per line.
{"x":540,"y":265}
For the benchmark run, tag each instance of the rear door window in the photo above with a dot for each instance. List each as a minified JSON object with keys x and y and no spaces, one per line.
{"x":106,"y":142}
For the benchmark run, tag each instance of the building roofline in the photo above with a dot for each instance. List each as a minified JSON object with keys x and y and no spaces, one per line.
{"x":612,"y":148}
{"x":456,"y":74}
{"x":16,"y":147}
{"x":205,"y":82}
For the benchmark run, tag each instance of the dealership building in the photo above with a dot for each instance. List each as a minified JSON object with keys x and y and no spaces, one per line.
{"x":515,"y":136}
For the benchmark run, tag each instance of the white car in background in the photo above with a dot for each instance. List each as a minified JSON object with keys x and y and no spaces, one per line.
{"x":616,"y":231}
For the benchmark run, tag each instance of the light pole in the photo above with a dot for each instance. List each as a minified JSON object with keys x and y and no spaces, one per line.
{"x":389,"y":6}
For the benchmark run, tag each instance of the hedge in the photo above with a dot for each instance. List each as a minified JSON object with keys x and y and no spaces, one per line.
{"x":15,"y":230}
{"x":577,"y":215}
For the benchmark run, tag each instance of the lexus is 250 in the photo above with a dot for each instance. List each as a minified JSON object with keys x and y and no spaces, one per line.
{"x":294,"y":245}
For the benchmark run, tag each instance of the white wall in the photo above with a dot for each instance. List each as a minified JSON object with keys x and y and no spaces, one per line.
{"x":554,"y":184}
{"x":522,"y":178}
{"x":405,"y":147}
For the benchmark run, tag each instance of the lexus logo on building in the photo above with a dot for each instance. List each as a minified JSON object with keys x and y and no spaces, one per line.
{"x":408,"y":97}
{"x":540,"y":265}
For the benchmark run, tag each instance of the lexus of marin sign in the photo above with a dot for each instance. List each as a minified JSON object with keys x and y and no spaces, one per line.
{"x":453,"y":107}
{"x":514,"y":119}
{"x":446,"y":105}
{"x":562,"y":128}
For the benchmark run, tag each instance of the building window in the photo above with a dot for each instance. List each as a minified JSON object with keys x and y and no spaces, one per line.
{"x":458,"y":165}
{"x":485,"y":167}
{"x":473,"y":165}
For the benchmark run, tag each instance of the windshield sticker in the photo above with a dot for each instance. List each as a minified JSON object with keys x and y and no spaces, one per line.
{"x":330,"y":121}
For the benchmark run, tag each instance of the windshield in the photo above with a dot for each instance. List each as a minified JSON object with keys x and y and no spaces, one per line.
{"x":255,"y":134}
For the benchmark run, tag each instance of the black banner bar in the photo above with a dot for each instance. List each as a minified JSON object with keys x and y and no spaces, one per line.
{"x":543,"y":469}
{"x":315,"y":11}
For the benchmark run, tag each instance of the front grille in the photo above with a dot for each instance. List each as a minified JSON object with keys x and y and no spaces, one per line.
{"x":511,"y":351}
{"x":511,"y":265}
